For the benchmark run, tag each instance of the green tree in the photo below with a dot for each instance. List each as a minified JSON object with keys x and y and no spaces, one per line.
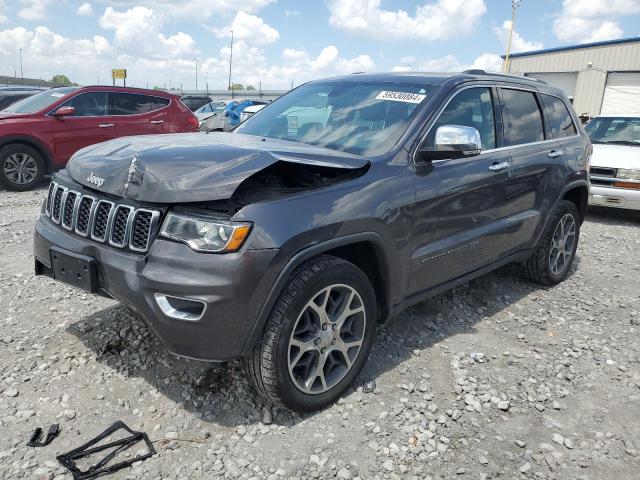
{"x":250,"y":87}
{"x":61,"y":80}
{"x":237,"y":86}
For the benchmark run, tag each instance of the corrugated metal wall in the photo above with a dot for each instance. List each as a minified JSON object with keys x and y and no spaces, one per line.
{"x":591,"y":80}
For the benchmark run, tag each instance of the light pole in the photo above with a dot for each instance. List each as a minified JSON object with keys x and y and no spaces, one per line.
{"x":514,"y":5}
{"x":196,"y":60}
{"x":231,"y":62}
{"x":21,"y":72}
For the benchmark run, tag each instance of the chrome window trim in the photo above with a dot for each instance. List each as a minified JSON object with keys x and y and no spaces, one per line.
{"x":107,"y":226}
{"x":153,"y":224}
{"x":127,"y":228}
{"x":94,"y":202}
{"x":73,"y":213}
{"x":50,"y":112}
{"x":498,"y":149}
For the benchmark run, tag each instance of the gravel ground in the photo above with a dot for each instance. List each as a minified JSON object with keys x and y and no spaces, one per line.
{"x":497,"y":379}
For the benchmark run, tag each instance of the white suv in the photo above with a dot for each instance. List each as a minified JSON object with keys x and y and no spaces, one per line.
{"x":615,"y":164}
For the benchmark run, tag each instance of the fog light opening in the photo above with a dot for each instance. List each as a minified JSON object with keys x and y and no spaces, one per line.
{"x":181,"y":308}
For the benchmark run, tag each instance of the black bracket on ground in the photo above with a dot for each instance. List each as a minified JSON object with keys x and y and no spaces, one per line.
{"x":68,"y":459}
{"x":34,"y":441}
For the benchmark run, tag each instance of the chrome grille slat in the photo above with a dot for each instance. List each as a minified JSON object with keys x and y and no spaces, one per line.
{"x":116,"y":224}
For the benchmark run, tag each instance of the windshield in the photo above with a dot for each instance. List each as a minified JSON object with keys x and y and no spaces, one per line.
{"x":39,"y":101}
{"x":359,"y":118}
{"x":620,"y":130}
{"x":211,"y":107}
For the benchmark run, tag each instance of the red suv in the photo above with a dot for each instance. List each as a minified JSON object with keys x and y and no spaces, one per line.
{"x":39,"y":134}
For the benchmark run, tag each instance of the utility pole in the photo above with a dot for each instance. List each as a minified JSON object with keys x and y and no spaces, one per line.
{"x":514,"y":5}
{"x":196,"y":60}
{"x":231,"y":61}
{"x":206,"y":81}
{"x":21,"y":72}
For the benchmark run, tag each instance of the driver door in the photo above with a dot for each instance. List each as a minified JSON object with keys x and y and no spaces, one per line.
{"x":462,"y":204}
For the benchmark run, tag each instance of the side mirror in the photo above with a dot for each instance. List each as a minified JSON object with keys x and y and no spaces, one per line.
{"x":453,"y":141}
{"x":64,"y":112}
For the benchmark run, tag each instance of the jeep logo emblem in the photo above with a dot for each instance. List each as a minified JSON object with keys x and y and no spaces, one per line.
{"x":97,"y":181}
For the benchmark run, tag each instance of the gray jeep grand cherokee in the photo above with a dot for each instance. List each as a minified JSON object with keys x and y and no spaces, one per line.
{"x":286,"y":241}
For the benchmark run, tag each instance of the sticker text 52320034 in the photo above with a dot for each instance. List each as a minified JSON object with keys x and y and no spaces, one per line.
{"x":406,"y":97}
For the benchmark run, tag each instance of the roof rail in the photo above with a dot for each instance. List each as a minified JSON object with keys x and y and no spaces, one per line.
{"x":479,"y":71}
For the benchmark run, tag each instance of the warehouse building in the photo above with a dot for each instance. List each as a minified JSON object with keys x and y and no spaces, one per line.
{"x":600,"y":78}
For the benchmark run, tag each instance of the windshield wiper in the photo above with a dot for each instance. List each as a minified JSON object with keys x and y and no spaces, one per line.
{"x":619,"y":142}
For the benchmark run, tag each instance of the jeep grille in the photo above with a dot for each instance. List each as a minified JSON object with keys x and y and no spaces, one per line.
{"x":119,"y":225}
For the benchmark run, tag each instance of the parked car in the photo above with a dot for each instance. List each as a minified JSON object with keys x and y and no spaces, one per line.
{"x":251,"y":111}
{"x":194,"y":102}
{"x":9,"y":95}
{"x":229,"y":117}
{"x":615,"y":165}
{"x":286,"y":241}
{"x":212,"y":109}
{"x":40,"y":133}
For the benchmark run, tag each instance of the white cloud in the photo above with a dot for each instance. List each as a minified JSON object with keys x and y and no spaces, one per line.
{"x":34,"y":9}
{"x":433,"y":20}
{"x":291,"y":13}
{"x":449,"y":63}
{"x":250,"y":28}
{"x":518,"y":44}
{"x":85,"y":10}
{"x":196,"y":9}
{"x":583,"y":21}
{"x":137,"y":32}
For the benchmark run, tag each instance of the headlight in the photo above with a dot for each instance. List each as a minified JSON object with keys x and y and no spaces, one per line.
{"x":628,"y":173}
{"x":205,"y":235}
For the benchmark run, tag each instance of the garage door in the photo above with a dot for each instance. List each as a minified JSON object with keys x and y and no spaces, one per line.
{"x":564,"y":81}
{"x":621,"y":94}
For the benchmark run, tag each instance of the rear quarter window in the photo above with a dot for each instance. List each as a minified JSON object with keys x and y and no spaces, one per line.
{"x":522,"y":117}
{"x":560,"y":121}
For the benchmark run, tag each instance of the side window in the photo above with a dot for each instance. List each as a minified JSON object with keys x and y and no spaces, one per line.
{"x":559,"y":117}
{"x":128,"y":104}
{"x":156,"y":103}
{"x":472,"y":107}
{"x":93,"y":104}
{"x":522,"y":117}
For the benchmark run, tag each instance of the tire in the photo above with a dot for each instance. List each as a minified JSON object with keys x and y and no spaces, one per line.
{"x":540,"y":267}
{"x":278,"y":366}
{"x":21,"y":167}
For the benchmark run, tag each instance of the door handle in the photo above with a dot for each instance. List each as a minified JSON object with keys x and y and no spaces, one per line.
{"x":496,"y":167}
{"x":105,"y":125}
{"x":156,"y":122}
{"x":554,"y":153}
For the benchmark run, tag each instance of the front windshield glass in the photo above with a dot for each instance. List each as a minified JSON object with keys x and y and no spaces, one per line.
{"x":620,"y":130}
{"x":359,"y":118}
{"x":39,"y":101}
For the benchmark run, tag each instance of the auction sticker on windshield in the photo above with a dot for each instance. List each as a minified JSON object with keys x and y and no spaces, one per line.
{"x":406,"y":97}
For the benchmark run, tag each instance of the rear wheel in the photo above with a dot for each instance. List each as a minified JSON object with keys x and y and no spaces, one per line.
{"x":317,"y":337}
{"x":552,"y":260}
{"x":21,"y":167}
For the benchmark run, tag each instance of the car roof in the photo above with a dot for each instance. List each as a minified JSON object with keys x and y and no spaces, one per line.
{"x":451,"y":79}
{"x":140,"y":91}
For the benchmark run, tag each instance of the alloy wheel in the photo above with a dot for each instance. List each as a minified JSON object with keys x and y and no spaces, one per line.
{"x":562,"y":244}
{"x":326,"y":339}
{"x":20,"y":168}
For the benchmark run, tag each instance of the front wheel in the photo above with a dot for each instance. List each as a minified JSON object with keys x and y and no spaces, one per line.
{"x":317,"y":337}
{"x":21,"y":167}
{"x":552,"y":260}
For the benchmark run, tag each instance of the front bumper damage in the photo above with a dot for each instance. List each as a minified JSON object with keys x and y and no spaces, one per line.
{"x":231,"y":288}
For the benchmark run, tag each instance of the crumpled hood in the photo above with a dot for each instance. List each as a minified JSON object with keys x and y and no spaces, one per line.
{"x":615,"y":156}
{"x":191,"y":167}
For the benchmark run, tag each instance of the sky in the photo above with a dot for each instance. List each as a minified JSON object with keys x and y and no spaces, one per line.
{"x":278,"y":43}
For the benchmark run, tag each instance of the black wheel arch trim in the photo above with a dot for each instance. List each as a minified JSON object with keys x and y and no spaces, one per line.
{"x":32,"y":142}
{"x":313,"y":251}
